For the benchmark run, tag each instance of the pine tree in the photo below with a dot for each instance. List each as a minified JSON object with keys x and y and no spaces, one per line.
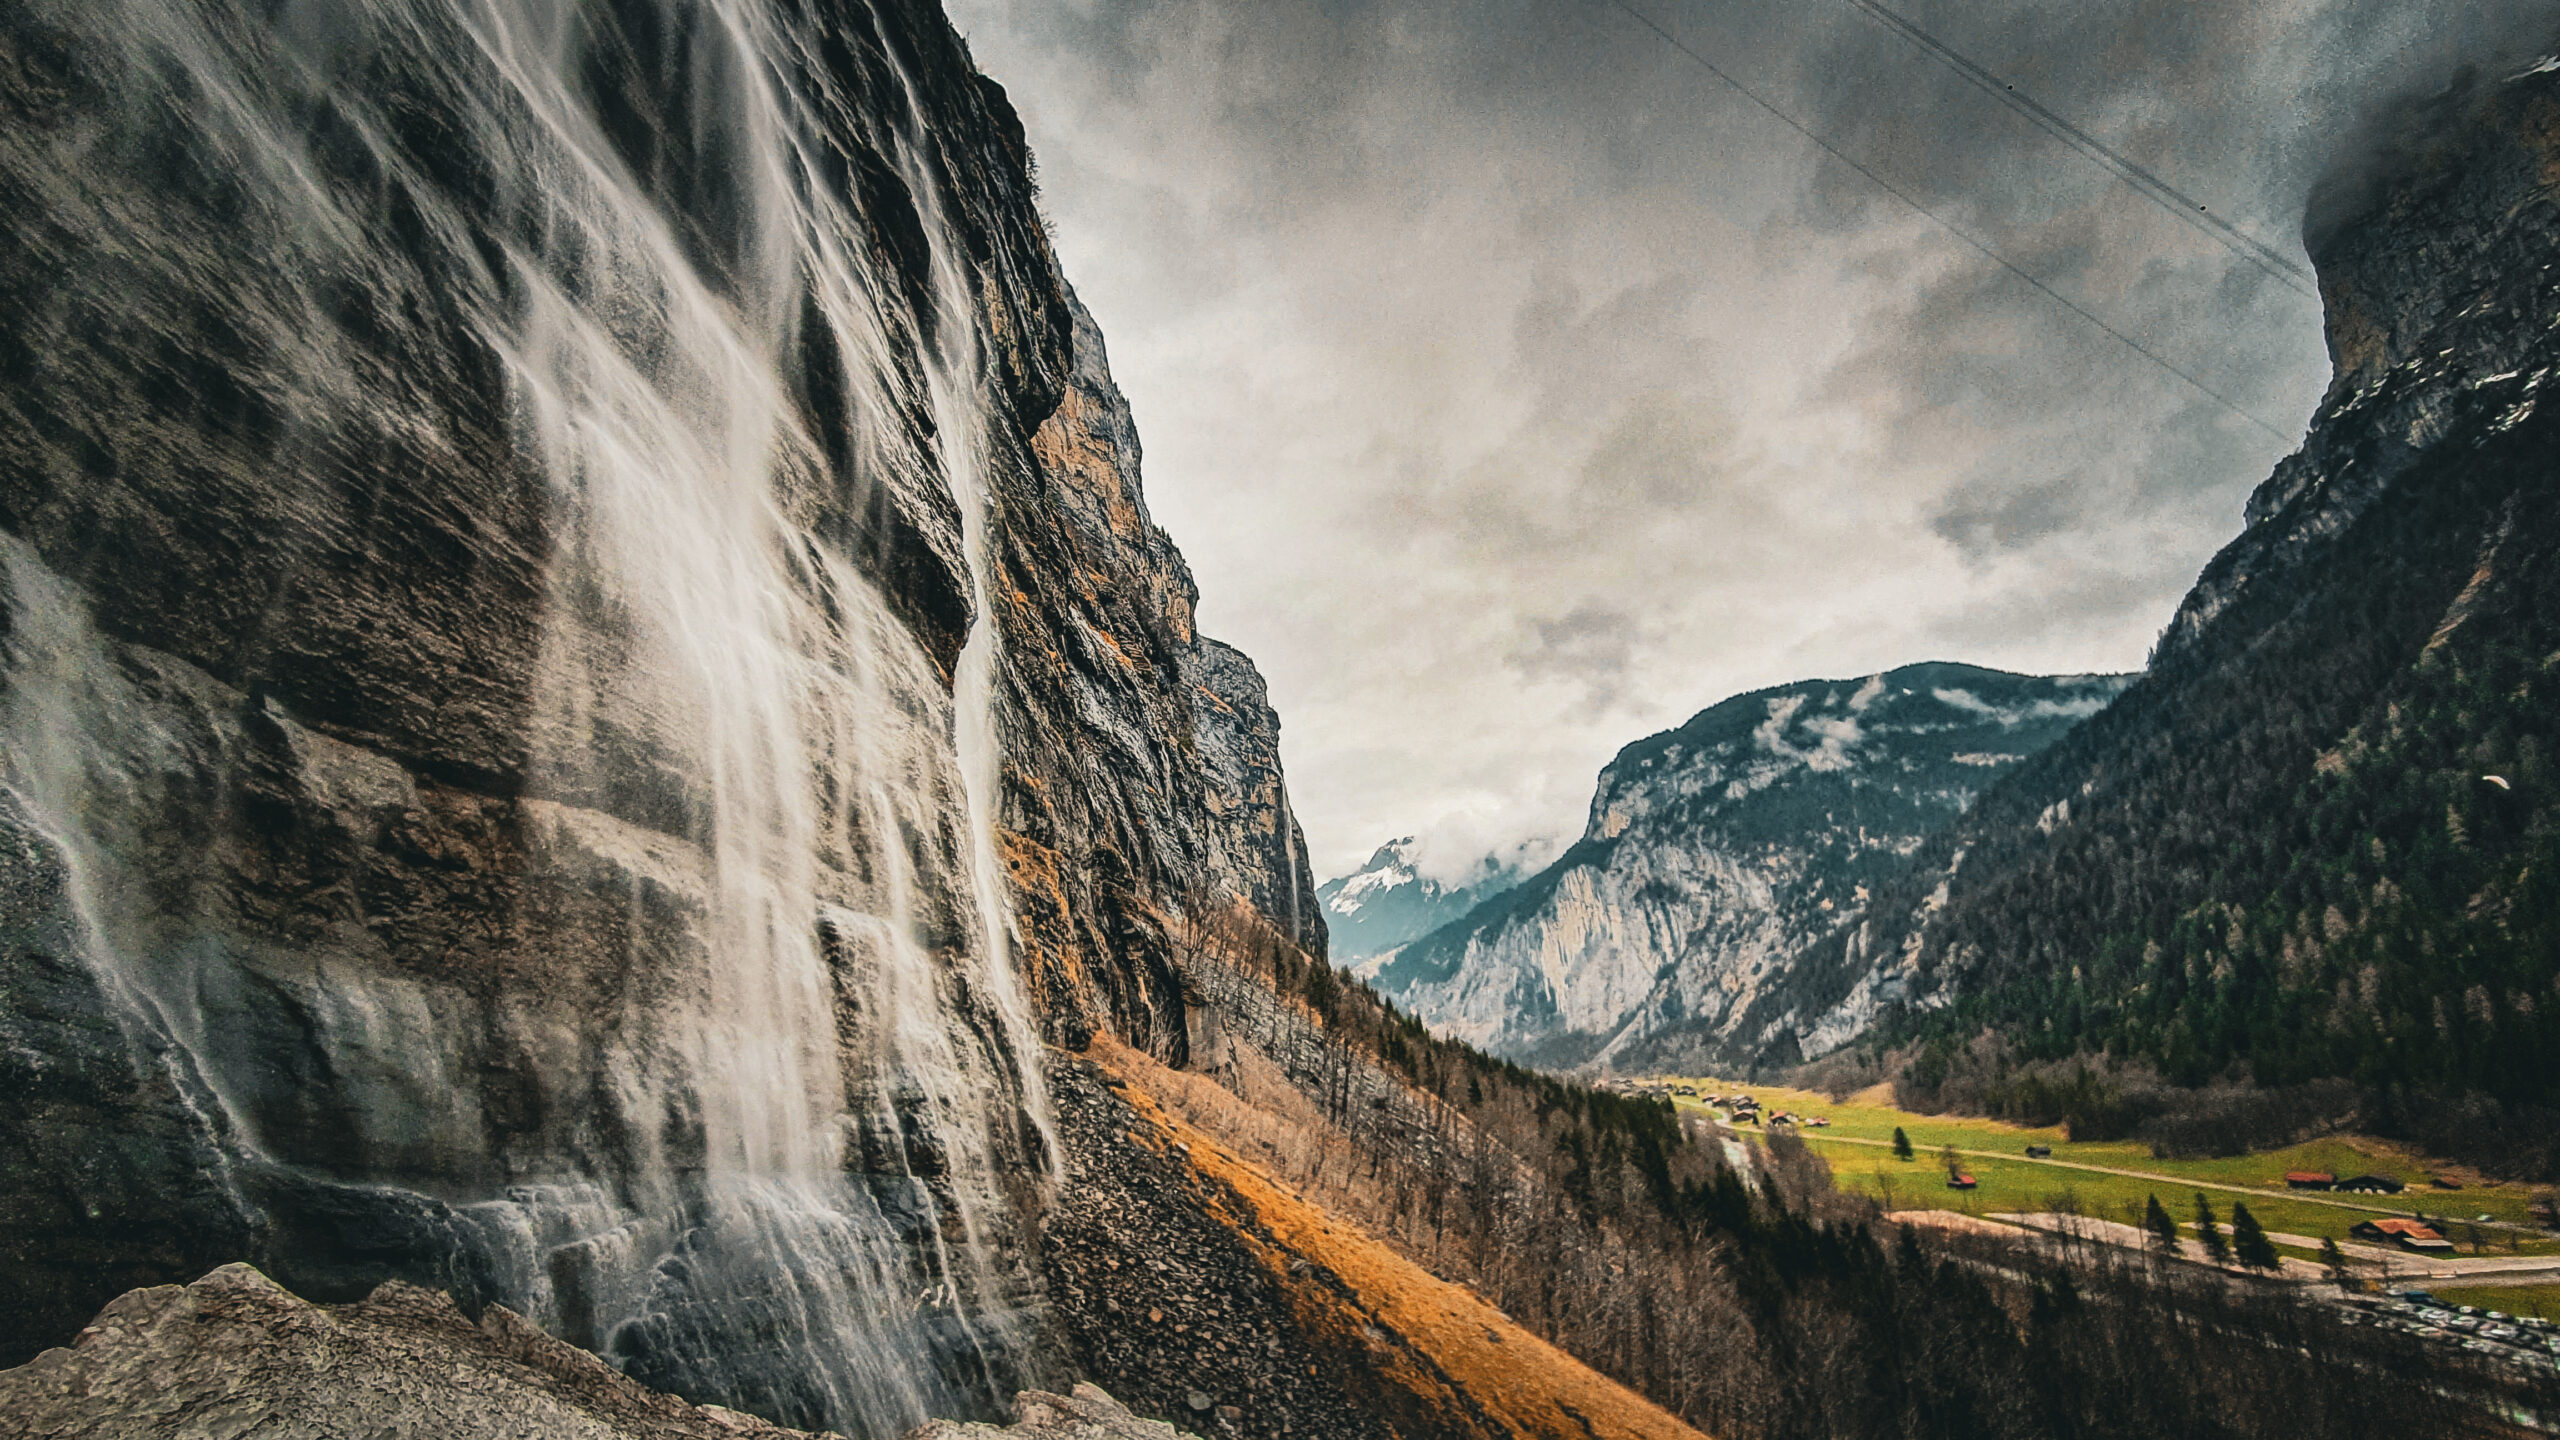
{"x":2216,"y":1248}
{"x":2334,"y":1258}
{"x":2164,"y":1230}
{"x":2249,"y":1242}
{"x":1901,"y":1144}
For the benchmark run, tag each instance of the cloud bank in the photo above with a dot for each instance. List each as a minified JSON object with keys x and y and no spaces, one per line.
{"x":1516,"y":388}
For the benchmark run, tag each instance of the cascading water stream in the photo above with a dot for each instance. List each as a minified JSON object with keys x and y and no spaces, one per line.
{"x":802,"y":1102}
{"x":957,"y":383}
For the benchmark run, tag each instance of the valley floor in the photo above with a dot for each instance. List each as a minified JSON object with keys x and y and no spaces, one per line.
{"x":2490,"y":1223}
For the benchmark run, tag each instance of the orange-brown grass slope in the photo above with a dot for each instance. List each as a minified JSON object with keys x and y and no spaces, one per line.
{"x":1465,"y":1366}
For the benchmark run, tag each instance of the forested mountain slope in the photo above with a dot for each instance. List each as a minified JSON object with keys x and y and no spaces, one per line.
{"x":2317,"y":837}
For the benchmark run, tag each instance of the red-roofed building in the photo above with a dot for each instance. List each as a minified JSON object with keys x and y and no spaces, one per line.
{"x":2309,"y":1179}
{"x":2407,"y":1234}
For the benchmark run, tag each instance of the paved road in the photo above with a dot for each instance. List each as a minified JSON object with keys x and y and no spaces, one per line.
{"x":2314,"y":1197}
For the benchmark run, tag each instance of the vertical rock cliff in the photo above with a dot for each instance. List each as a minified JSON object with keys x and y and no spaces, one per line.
{"x":586,"y":679}
{"x":1142,"y":775}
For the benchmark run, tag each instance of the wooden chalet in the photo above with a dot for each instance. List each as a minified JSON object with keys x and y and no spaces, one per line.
{"x":2407,"y":1234}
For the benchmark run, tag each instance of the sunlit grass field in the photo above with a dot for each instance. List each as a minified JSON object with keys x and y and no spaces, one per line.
{"x":2010,"y":1182}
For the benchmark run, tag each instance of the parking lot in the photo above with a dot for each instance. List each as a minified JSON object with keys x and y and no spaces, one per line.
{"x":2525,"y":1340}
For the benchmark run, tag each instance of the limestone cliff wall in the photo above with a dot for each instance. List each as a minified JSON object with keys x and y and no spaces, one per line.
{"x":1715,"y":855}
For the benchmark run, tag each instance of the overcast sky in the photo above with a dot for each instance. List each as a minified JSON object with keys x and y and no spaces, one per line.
{"x":1518,"y":389}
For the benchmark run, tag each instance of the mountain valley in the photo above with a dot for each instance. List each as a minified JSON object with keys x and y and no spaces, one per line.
{"x":615,"y":818}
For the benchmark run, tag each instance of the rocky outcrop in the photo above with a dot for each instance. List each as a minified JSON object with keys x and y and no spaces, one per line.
{"x":1087,"y":1414}
{"x":2435,"y":302}
{"x":235,"y":1352}
{"x":1716,"y":853}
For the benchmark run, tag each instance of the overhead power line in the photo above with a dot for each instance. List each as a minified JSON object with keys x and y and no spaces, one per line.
{"x":2145,"y":183}
{"x":1942,"y":222}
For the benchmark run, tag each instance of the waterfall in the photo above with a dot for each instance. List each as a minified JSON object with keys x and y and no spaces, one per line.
{"x":774,"y":1153}
{"x":956,"y":373}
{"x":1289,"y":858}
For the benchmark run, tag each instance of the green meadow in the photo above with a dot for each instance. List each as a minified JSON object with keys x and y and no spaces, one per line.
{"x":2537,"y":1300}
{"x":1856,"y":1145}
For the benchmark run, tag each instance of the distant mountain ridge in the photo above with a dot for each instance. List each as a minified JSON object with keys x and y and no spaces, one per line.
{"x":1717,"y":851}
{"x":1389,"y":900}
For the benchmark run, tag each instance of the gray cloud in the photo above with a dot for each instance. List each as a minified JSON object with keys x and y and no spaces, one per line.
{"x":1516,"y":388}
{"x":1590,"y":643}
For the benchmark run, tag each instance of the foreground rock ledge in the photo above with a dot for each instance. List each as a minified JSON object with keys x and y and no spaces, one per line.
{"x":1088,"y":1414}
{"x":237,"y":1354}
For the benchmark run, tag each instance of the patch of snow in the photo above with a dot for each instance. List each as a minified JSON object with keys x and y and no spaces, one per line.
{"x":2006,"y":717}
{"x":1832,"y":736}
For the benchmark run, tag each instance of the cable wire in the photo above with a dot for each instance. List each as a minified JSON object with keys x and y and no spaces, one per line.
{"x":2144,"y":182}
{"x":1943,"y":223}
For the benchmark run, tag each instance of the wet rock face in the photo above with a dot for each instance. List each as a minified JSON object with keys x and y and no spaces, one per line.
{"x":361,"y":456}
{"x":491,"y":557}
